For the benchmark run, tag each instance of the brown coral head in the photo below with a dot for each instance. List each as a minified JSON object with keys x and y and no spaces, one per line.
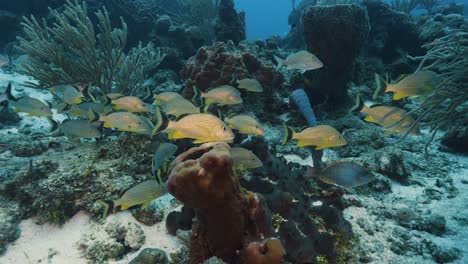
{"x":201,"y":176}
{"x":270,"y":251}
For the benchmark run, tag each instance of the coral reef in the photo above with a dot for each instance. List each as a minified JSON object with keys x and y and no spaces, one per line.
{"x":221,"y":63}
{"x":150,"y":256}
{"x":335,"y":35}
{"x":390,"y":32}
{"x":203,"y":179}
{"x":111,"y":241}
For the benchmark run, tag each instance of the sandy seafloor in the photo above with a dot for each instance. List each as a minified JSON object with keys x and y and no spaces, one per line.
{"x":53,"y":244}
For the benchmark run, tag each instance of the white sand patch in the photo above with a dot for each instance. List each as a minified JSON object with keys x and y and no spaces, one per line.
{"x":37,"y":241}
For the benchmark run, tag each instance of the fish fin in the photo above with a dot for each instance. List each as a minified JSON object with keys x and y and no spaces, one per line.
{"x":93,"y":116}
{"x":105,"y":100}
{"x":143,"y":206}
{"x":358,"y":105}
{"x":175,"y":135}
{"x":398,"y":96}
{"x":312,"y":172}
{"x":107,"y":204}
{"x":302,"y":71}
{"x":8,"y":93}
{"x":85,"y":92}
{"x":279,"y":61}
{"x":320,"y":147}
{"x":369,"y":118}
{"x":205,"y":109}
{"x":381,"y":86}
{"x":288,"y":134}
{"x":301,"y":143}
{"x":123,"y":207}
{"x":63,"y":107}
{"x":53,"y":124}
{"x":161,"y":122}
{"x":197,"y":99}
{"x":199,"y":141}
{"x":221,"y":116}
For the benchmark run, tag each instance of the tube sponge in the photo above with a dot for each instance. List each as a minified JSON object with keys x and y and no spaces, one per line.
{"x":301,"y":100}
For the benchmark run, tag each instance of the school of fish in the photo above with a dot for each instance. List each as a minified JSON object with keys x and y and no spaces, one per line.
{"x":89,"y":111}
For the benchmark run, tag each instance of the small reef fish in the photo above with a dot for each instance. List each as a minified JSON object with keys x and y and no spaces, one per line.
{"x":321,"y":136}
{"x":130,"y":104}
{"x":245,"y":124}
{"x":74,"y":129}
{"x":164,"y":97}
{"x":244,"y":158}
{"x":26,"y":104}
{"x":201,"y":127}
{"x":389,"y":117}
{"x":222,"y":95}
{"x":84,"y":109}
{"x":251,"y":85}
{"x":302,"y":61}
{"x":72,"y":95}
{"x":161,"y":158}
{"x":179,"y":106}
{"x":420,"y":84}
{"x":125,"y":121}
{"x":345,"y":174}
{"x":140,"y":194}
{"x":4,"y":61}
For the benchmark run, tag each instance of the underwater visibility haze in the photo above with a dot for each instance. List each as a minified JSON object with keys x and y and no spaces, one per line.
{"x":233,"y":131}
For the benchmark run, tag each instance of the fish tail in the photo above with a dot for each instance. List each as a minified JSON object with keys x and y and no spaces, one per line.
{"x":312,"y":172}
{"x":357,"y":107}
{"x":105,"y":100}
{"x":221,"y":116}
{"x":288,"y":134}
{"x":149,"y":95}
{"x":197,"y":99}
{"x":85,"y":92}
{"x":279,"y":61}
{"x":205,"y":108}
{"x":8,"y":93}
{"x":53,"y":124}
{"x":108,"y":207}
{"x":161,"y":123}
{"x":93,"y":116}
{"x":381,"y":86}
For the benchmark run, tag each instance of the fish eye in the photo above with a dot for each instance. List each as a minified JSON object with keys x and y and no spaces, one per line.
{"x":224,"y":128}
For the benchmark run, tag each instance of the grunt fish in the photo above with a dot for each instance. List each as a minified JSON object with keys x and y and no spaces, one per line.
{"x":164,"y":97}
{"x":125,"y":121}
{"x":245,"y":124}
{"x":345,"y":174}
{"x":179,"y":106}
{"x":161,"y":158}
{"x":251,"y":85}
{"x":26,"y":104}
{"x":84,"y":109}
{"x":389,"y":117}
{"x":244,"y":158}
{"x":140,"y":194}
{"x":113,"y":96}
{"x":418,"y":84}
{"x":302,"y":61}
{"x":201,"y":127}
{"x":74,"y":129}
{"x":130,"y":104}
{"x":321,"y":136}
{"x":222,"y":95}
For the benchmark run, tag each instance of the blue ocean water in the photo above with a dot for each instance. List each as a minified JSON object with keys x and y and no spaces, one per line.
{"x":266,"y":18}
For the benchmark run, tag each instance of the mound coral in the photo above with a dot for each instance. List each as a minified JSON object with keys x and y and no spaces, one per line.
{"x":202,"y":178}
{"x":221,"y":63}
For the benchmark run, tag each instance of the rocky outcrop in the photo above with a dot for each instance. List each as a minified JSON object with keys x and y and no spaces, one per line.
{"x":229,"y":24}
